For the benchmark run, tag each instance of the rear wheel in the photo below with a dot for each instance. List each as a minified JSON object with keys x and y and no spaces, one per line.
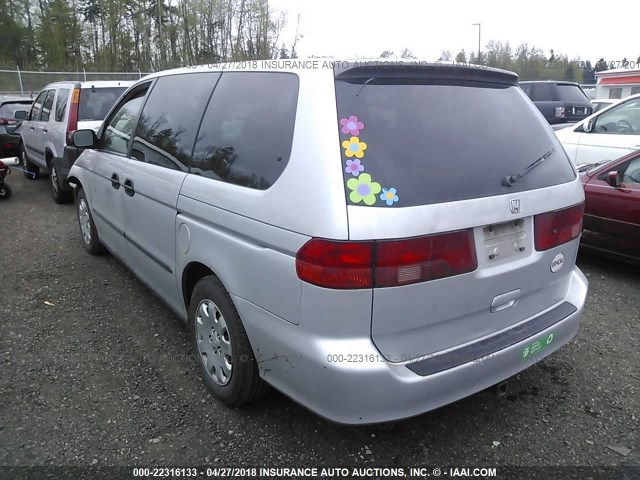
{"x":225,"y":357}
{"x":30,"y":171}
{"x":88,"y":230}
{"x":59,"y":195}
{"x":5,"y":191}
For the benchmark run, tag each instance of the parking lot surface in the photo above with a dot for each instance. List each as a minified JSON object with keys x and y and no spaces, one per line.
{"x":95,"y":370}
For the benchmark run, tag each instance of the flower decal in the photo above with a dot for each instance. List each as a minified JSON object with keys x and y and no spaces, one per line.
{"x":363,"y":189}
{"x":389,"y":195}
{"x":354,"y":147}
{"x":354,"y":167}
{"x":351,"y":125}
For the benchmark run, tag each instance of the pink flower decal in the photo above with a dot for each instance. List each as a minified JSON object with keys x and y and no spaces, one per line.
{"x":354,"y":167}
{"x":351,"y":125}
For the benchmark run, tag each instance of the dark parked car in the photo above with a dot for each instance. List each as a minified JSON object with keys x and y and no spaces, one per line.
{"x":612,"y":207}
{"x":559,"y":102}
{"x":10,"y":142}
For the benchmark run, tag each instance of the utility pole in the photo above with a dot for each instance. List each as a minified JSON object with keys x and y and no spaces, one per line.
{"x":479,"y":29}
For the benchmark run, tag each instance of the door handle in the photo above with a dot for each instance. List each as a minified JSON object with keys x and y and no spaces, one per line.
{"x":115,"y":181}
{"x":128,"y":187}
{"x":30,"y":128}
{"x":44,"y":130}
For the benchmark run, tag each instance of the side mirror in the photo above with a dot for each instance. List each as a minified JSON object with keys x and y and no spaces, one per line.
{"x":20,"y":114}
{"x":589,"y":124}
{"x":84,"y":139}
{"x":613,"y":179}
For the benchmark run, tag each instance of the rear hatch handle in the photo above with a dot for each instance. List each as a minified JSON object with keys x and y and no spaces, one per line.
{"x":506,"y":300}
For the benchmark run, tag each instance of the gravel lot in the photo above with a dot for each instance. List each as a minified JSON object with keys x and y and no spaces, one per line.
{"x":94,"y":370}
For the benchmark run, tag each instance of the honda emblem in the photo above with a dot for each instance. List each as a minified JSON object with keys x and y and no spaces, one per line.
{"x":514,"y":205}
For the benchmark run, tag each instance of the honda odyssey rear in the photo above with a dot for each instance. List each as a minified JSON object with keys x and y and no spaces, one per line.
{"x":374,"y":239}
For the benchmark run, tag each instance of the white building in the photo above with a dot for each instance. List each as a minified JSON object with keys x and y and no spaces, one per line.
{"x":617,"y":83}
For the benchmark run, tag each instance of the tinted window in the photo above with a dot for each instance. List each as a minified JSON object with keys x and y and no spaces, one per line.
{"x":631,"y":174}
{"x":61,"y":103}
{"x":169,"y":122}
{"x":544,"y":92}
{"x":635,"y":90}
{"x":8,"y":110}
{"x":36,"y":110}
{"x":422,"y":143}
{"x":246,"y":134}
{"x":118,"y":132}
{"x":571,"y":93}
{"x":95,"y":103}
{"x":47,"y":105}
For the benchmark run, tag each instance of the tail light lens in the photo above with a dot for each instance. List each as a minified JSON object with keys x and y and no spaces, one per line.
{"x":393,"y":263}
{"x":555,"y":228}
{"x":8,"y":121}
{"x":72,"y":121}
{"x":560,"y":112}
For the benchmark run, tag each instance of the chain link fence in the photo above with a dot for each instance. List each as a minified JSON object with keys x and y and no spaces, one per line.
{"x":26,"y":82}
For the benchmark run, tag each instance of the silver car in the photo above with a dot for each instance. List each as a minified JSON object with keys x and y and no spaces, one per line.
{"x":373,"y":239}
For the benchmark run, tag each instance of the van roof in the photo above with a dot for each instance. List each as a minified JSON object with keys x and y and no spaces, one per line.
{"x":353,"y":66}
{"x":96,"y":84}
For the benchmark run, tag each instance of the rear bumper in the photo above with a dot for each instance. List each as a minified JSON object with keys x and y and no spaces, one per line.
{"x":348,"y":381}
{"x":9,"y":145}
{"x":63,"y":164}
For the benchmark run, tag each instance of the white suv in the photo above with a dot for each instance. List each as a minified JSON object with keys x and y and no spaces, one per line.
{"x":58,"y":110}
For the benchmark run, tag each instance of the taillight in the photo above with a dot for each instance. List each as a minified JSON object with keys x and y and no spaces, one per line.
{"x":2,"y":121}
{"x":403,"y":262}
{"x":8,"y":121}
{"x":389,"y":263}
{"x":72,"y":121}
{"x":560,"y":112}
{"x":555,"y":228}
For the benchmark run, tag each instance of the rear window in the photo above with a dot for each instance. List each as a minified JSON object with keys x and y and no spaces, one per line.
{"x":407,"y":143}
{"x":571,"y":93}
{"x":8,"y":110}
{"x":95,"y":103}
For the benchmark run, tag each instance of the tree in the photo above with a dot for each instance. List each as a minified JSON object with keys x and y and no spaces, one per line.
{"x":406,"y":53}
{"x":445,"y":56}
{"x":386,"y":54}
{"x":461,"y":57}
{"x":601,"y":65}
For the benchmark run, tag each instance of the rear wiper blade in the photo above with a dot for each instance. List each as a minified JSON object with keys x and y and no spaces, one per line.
{"x":509,"y":180}
{"x":364,"y":85}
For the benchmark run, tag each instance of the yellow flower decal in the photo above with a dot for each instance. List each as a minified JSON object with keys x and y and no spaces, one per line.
{"x":354,"y":147}
{"x":363,"y":189}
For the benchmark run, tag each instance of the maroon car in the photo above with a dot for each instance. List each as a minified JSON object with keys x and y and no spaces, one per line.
{"x":612,"y":207}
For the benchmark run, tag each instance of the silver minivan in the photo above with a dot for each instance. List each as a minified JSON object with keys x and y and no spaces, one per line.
{"x":374,"y":239}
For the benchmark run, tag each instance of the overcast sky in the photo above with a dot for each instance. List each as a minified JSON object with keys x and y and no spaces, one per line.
{"x":350,"y":28}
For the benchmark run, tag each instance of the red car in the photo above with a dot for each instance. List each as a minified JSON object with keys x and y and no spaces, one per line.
{"x":612,"y":207}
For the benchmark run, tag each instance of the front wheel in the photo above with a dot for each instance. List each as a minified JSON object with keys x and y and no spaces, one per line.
{"x":29,"y":170}
{"x":5,"y":191}
{"x":224,"y":355}
{"x":88,"y":229}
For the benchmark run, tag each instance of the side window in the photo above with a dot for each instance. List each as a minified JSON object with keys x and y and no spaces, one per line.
{"x":119,"y":129}
{"x":246,"y":134}
{"x":623,"y":119}
{"x":47,"y":105}
{"x":169,"y":122}
{"x":635,"y":90}
{"x":36,"y":109}
{"x":61,"y":103}
{"x":631,"y":174}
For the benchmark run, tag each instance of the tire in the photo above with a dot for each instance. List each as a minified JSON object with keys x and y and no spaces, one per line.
{"x":5,"y":191}
{"x":30,"y":171}
{"x":59,"y":195}
{"x":88,"y":231}
{"x":212,"y":313}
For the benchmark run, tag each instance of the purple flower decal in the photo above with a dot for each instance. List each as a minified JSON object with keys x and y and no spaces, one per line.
{"x":351,"y":125}
{"x":354,"y":167}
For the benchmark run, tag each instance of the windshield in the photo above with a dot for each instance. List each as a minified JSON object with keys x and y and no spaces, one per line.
{"x":571,"y":93}
{"x":8,"y":110}
{"x":426,"y":143}
{"x":96,"y":103}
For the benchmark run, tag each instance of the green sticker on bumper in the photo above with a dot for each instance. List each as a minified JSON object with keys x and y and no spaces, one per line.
{"x":536,"y":347}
